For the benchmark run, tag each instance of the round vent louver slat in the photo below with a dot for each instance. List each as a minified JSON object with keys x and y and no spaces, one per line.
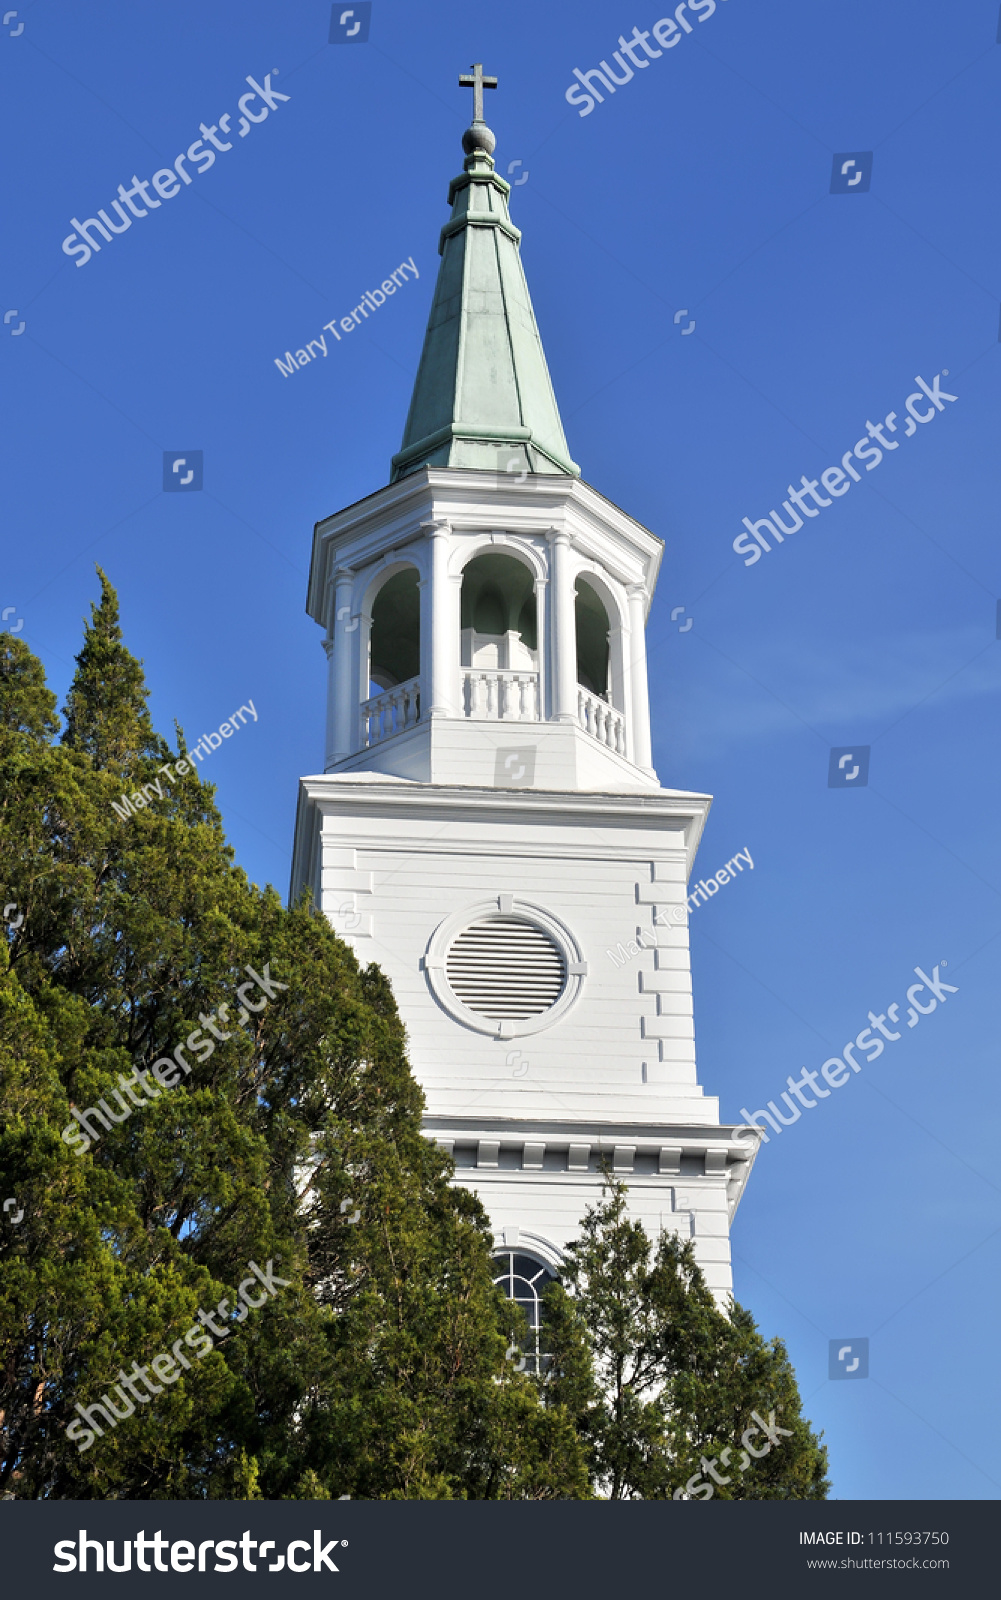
{"x":504,"y":968}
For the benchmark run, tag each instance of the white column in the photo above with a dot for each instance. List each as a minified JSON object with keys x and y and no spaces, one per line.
{"x":424,"y":657}
{"x":328,"y":738}
{"x":453,"y":680}
{"x":443,"y":651}
{"x":341,"y":713}
{"x":618,"y":671}
{"x":638,"y":743}
{"x":541,"y":642}
{"x":564,"y":643}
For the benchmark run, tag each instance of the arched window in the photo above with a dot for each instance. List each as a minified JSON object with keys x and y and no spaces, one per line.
{"x":395,"y":655}
{"x":592,"y":641}
{"x":522,"y":1279}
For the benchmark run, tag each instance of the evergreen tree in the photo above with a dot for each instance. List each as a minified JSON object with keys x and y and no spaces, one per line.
{"x":377,"y":1367}
{"x":661,"y":1385}
{"x":106,"y":710}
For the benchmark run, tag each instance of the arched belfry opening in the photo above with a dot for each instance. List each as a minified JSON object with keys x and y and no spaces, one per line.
{"x":395,"y":648}
{"x":593,"y":653}
{"x":393,"y":703}
{"x":499,"y":639}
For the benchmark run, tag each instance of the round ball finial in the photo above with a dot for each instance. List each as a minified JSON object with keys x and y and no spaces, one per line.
{"x":478,"y":137}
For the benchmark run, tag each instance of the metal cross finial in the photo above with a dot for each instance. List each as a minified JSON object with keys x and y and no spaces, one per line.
{"x":477,"y":82}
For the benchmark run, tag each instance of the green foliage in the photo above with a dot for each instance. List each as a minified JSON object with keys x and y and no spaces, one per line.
{"x":659,"y":1382}
{"x":379,"y":1371}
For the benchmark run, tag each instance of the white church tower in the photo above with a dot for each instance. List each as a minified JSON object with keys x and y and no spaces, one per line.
{"x":488,"y":827}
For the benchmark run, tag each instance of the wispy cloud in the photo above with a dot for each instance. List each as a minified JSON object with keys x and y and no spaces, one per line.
{"x":866,"y":687}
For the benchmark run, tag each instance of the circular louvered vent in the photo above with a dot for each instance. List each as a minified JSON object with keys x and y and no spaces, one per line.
{"x":506,"y":968}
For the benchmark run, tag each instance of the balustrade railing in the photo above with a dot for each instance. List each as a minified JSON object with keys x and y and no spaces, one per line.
{"x":391,"y":712}
{"x":501,"y":693}
{"x":601,"y":720}
{"x":489,"y":693}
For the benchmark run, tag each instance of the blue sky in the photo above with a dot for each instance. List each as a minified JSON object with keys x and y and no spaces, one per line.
{"x":702,"y":186}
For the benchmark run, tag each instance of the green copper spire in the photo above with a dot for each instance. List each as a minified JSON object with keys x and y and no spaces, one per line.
{"x":483,"y":397}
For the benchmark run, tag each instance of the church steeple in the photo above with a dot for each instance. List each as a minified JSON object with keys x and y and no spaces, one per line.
{"x":488,"y":825}
{"x":483,"y":397}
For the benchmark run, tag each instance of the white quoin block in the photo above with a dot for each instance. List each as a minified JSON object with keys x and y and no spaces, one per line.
{"x":673,"y":1072}
{"x":674,"y":1004}
{"x":660,"y":894}
{"x":674,"y":956}
{"x":350,"y":924}
{"x":346,"y":879}
{"x":677,"y":1049}
{"x":668,"y":1027}
{"x":337,"y":856}
{"x":676,"y":980}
